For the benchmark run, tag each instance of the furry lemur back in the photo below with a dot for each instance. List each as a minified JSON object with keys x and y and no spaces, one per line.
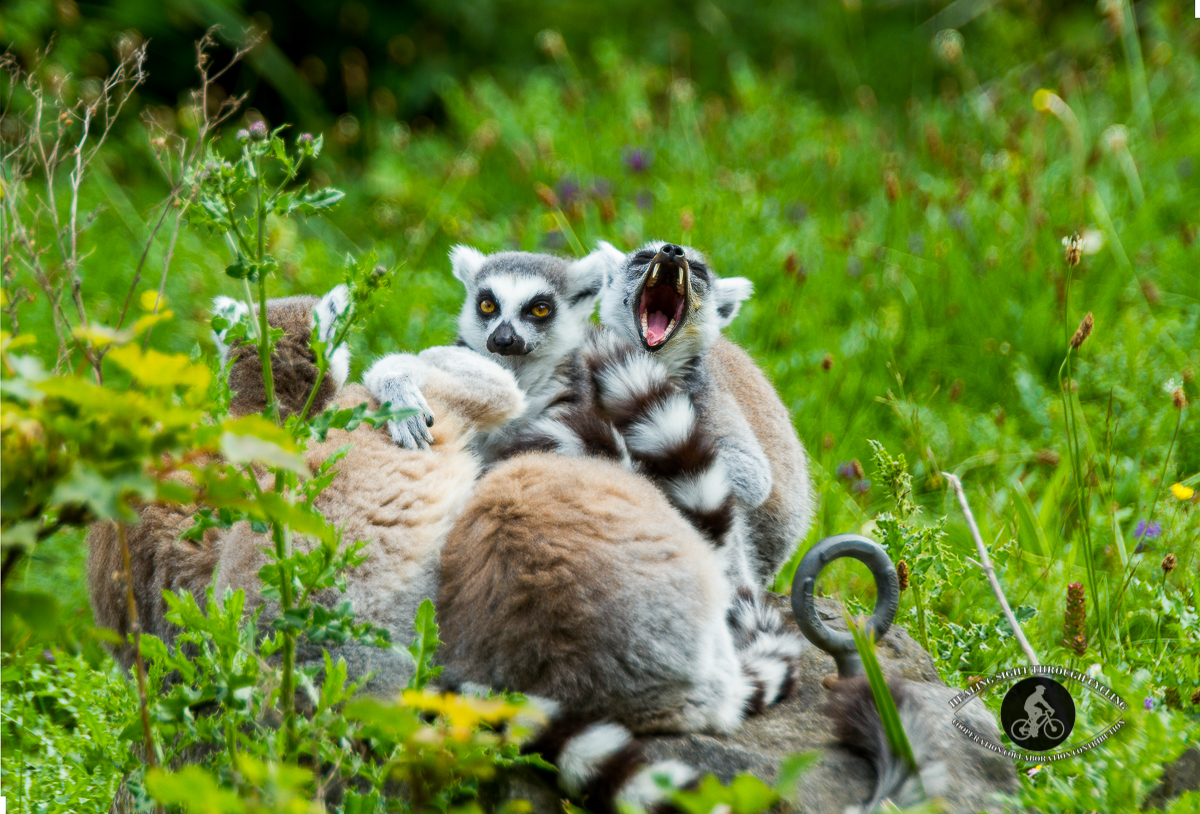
{"x":402,"y":502}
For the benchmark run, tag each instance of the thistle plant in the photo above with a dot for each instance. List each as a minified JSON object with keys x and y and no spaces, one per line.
{"x":920,"y":548}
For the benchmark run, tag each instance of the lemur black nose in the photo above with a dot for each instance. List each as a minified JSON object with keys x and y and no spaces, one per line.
{"x":506,"y":342}
{"x":504,"y":336}
{"x":672,"y":251}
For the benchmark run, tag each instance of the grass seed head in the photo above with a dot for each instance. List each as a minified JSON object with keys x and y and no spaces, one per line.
{"x":902,"y":575}
{"x":1075,"y":620}
{"x":1083,"y":331}
{"x":1179,"y":399}
{"x":1072,"y":249}
{"x":1168,"y":563}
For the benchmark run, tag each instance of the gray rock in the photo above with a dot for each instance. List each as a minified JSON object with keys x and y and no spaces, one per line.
{"x":1181,"y":776}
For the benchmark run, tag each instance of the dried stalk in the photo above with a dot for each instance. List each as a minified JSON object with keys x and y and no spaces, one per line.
{"x":985,"y":562}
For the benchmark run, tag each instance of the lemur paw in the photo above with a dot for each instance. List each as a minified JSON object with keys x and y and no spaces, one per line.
{"x":392,"y":382}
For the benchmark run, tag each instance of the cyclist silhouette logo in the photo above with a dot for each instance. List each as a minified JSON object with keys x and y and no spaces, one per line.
{"x":1037,"y":713}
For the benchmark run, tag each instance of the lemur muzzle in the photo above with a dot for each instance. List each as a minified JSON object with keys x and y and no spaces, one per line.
{"x":662,"y":302}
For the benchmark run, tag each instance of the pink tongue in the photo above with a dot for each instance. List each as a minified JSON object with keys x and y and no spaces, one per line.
{"x":656,"y":327}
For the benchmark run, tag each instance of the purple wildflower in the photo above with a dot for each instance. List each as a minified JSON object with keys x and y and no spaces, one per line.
{"x":636,"y":159}
{"x":554,"y":240}
{"x":48,"y":656}
{"x":845,"y":470}
{"x":797,"y":212}
{"x":243,"y":134}
{"x":602,"y":187}
{"x":1150,"y":531}
{"x":1148,"y":703}
{"x":645,"y":200}
{"x":304,"y":138}
{"x":258,"y":130}
{"x":567,"y":190}
{"x":862,"y":486}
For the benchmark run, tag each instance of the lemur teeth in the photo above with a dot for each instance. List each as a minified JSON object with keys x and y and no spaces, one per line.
{"x":652,"y":280}
{"x":670,"y":327}
{"x":645,"y":325}
{"x":679,"y":281}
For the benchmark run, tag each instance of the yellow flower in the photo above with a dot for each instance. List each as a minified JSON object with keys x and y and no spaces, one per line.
{"x":1182,"y":492}
{"x":149,"y":299}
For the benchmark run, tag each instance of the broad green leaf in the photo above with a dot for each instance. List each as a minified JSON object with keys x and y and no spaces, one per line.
{"x":251,"y":448}
{"x":424,"y":647}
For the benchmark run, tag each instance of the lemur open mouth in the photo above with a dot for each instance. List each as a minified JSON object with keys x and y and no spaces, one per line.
{"x":662,"y":302}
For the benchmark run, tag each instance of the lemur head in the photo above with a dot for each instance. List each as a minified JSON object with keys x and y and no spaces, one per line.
{"x":524,"y":308}
{"x":667,"y":299}
{"x":293,"y":363}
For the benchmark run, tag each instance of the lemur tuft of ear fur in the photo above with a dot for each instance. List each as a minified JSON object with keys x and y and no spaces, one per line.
{"x":730,"y":293}
{"x":234,"y":311}
{"x":328,"y":313}
{"x":465,"y":262}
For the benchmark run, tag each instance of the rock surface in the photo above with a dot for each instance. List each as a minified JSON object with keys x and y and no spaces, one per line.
{"x":967,"y":779}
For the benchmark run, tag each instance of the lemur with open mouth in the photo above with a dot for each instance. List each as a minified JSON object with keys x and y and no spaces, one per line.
{"x":667,"y":299}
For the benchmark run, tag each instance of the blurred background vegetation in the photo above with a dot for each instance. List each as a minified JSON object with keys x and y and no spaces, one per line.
{"x":878,"y":168}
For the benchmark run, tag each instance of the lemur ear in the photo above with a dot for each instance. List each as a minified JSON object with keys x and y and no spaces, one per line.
{"x":327,"y":313}
{"x":589,"y":274}
{"x":329,"y":310}
{"x":233,"y":311}
{"x":466,"y":262}
{"x":729,"y":293}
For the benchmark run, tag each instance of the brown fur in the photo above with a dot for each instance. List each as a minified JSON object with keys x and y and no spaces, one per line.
{"x":402,"y":502}
{"x":559,"y":572}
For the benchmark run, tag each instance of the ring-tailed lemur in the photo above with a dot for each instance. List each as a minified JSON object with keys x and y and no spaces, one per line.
{"x":667,"y":299}
{"x":404,"y":502}
{"x":527,"y":312}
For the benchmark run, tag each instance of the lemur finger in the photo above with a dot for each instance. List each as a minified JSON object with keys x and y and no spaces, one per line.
{"x":402,"y":433}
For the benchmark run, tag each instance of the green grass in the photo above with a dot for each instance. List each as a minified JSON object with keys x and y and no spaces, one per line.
{"x":910,"y":287}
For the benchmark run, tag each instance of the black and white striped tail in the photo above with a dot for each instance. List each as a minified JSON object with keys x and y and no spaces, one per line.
{"x":601,"y":765}
{"x":769,"y":651}
{"x":657,"y":423}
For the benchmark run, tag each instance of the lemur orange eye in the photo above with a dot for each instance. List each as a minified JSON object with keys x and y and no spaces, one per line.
{"x":487,"y":306}
{"x":540,"y":310}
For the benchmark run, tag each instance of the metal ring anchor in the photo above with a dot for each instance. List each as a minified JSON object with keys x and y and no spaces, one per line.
{"x":840,"y":644}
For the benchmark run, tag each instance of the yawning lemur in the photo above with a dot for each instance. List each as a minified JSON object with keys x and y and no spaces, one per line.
{"x":667,"y":299}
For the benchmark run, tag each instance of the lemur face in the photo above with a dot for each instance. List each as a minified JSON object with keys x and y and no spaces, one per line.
{"x":666,"y":298}
{"x":522,"y":306}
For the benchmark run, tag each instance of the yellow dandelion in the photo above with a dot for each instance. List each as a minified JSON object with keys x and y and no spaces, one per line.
{"x":1182,"y":492}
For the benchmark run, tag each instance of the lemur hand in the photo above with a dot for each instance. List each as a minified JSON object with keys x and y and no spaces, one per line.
{"x":397,"y":380}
